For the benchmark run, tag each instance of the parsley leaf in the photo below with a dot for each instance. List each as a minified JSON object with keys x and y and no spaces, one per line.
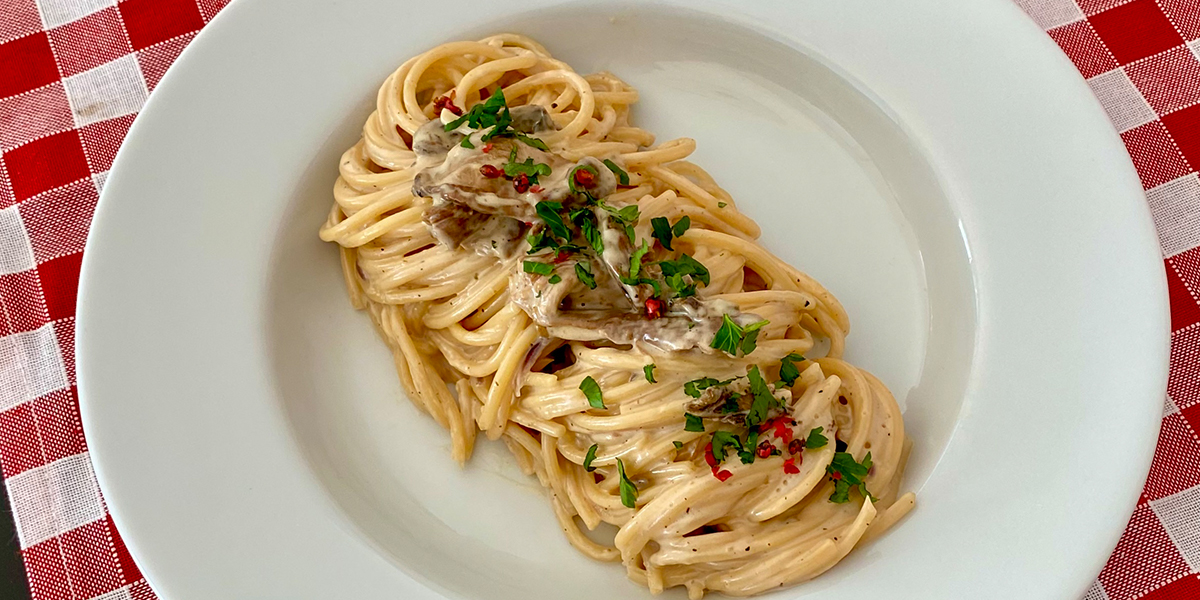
{"x":750,"y":333}
{"x":748,"y":448}
{"x":721,"y":205}
{"x":675,"y":270}
{"x":788,"y":371}
{"x":629,"y":492}
{"x":466,"y":143}
{"x":548,"y":212}
{"x":622,"y":176}
{"x":555,"y":278}
{"x":591,"y":389}
{"x":850,"y":474}
{"x":635,"y":261}
{"x":729,"y":337}
{"x":816,"y":440}
{"x":678,"y":444}
{"x":530,"y":169}
{"x":763,"y":399}
{"x":532,"y":141}
{"x":491,"y":113}
{"x":648,"y":370}
{"x":692,"y":423}
{"x":585,"y":275}
{"x":720,"y":440}
{"x":662,"y":231}
{"x":681,"y":226}
{"x":591,"y":456}
{"x":538,"y":268}
{"x":626,"y":214}
{"x":695,"y":387}
{"x":586,"y":220}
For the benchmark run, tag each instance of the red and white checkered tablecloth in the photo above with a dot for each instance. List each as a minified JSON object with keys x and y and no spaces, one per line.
{"x":74,"y":73}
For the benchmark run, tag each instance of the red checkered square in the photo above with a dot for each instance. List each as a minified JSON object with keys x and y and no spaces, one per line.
{"x":60,"y":283}
{"x":1183,"y":382}
{"x":1185,"y":14}
{"x":26,"y":63}
{"x":1185,"y":303}
{"x":1135,"y":30}
{"x":18,"y":18}
{"x":1084,"y":48}
{"x":101,"y":140}
{"x":21,"y":302}
{"x":90,"y":42}
{"x":64,"y":334}
{"x":156,"y":60}
{"x":1091,"y":7}
{"x":1154,"y":153}
{"x":141,"y":591}
{"x":45,"y":164}
{"x":91,"y":563}
{"x":128,"y":567}
{"x":57,"y":221}
{"x":152,"y":21}
{"x":1144,"y":559}
{"x":1184,"y":588}
{"x":210,"y":8}
{"x":17,"y":429}
{"x":1176,"y":465}
{"x":34,"y":114}
{"x":1169,"y":81}
{"x":47,"y":570}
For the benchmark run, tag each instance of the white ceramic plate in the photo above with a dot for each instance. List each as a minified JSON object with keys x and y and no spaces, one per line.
{"x":938,"y":164}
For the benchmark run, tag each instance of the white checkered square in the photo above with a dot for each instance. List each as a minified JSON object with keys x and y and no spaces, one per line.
{"x":53,"y":499}
{"x":58,"y":12}
{"x":1177,"y":513}
{"x":1195,"y":46}
{"x":1095,"y":592}
{"x":1169,"y":406}
{"x":1049,"y":14}
{"x":16,"y":253}
{"x":1122,"y":101}
{"x":98,"y":179}
{"x":110,"y":90}
{"x":1175,"y":206}
{"x":30,"y":366}
{"x":125,"y":593}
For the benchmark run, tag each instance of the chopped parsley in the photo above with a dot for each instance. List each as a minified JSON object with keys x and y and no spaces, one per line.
{"x":622,"y":176}
{"x":763,"y":400}
{"x":648,"y":370}
{"x":693,"y":423}
{"x":732,"y":338}
{"x":627,"y":215}
{"x":549,"y":213}
{"x":695,"y":387}
{"x":466,"y":143}
{"x":815,"y":439}
{"x":493,"y":113}
{"x":629,"y":492}
{"x":749,"y":447}
{"x":721,"y":205}
{"x":788,"y":371}
{"x":664,"y":231}
{"x":585,"y":219}
{"x":530,"y":169}
{"x":635,"y":261}
{"x":555,"y":278}
{"x":591,"y":389}
{"x":532,"y":141}
{"x":584,"y":274}
{"x":848,"y":474}
{"x":674,"y":272}
{"x":722,"y":439}
{"x":591,"y":456}
{"x":678,"y":444}
{"x":538,"y":268}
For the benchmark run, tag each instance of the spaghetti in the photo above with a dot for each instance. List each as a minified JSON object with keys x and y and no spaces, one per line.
{"x":548,"y":275}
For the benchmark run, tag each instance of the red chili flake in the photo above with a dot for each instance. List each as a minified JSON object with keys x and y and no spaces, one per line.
{"x":842,"y":400}
{"x":767,"y":425}
{"x":789,"y":466}
{"x":764,"y":449}
{"x":529,"y":223}
{"x":484,"y":93}
{"x":537,"y":189}
{"x":404,"y":135}
{"x":585,"y":178}
{"x":722,"y":475}
{"x":521,"y":183}
{"x":709,"y":458}
{"x":654,"y":308}
{"x":446,"y":103}
{"x":836,"y":475}
{"x":796,"y":446}
{"x":487,"y":148}
{"x":561,"y":257}
{"x":491,"y":171}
